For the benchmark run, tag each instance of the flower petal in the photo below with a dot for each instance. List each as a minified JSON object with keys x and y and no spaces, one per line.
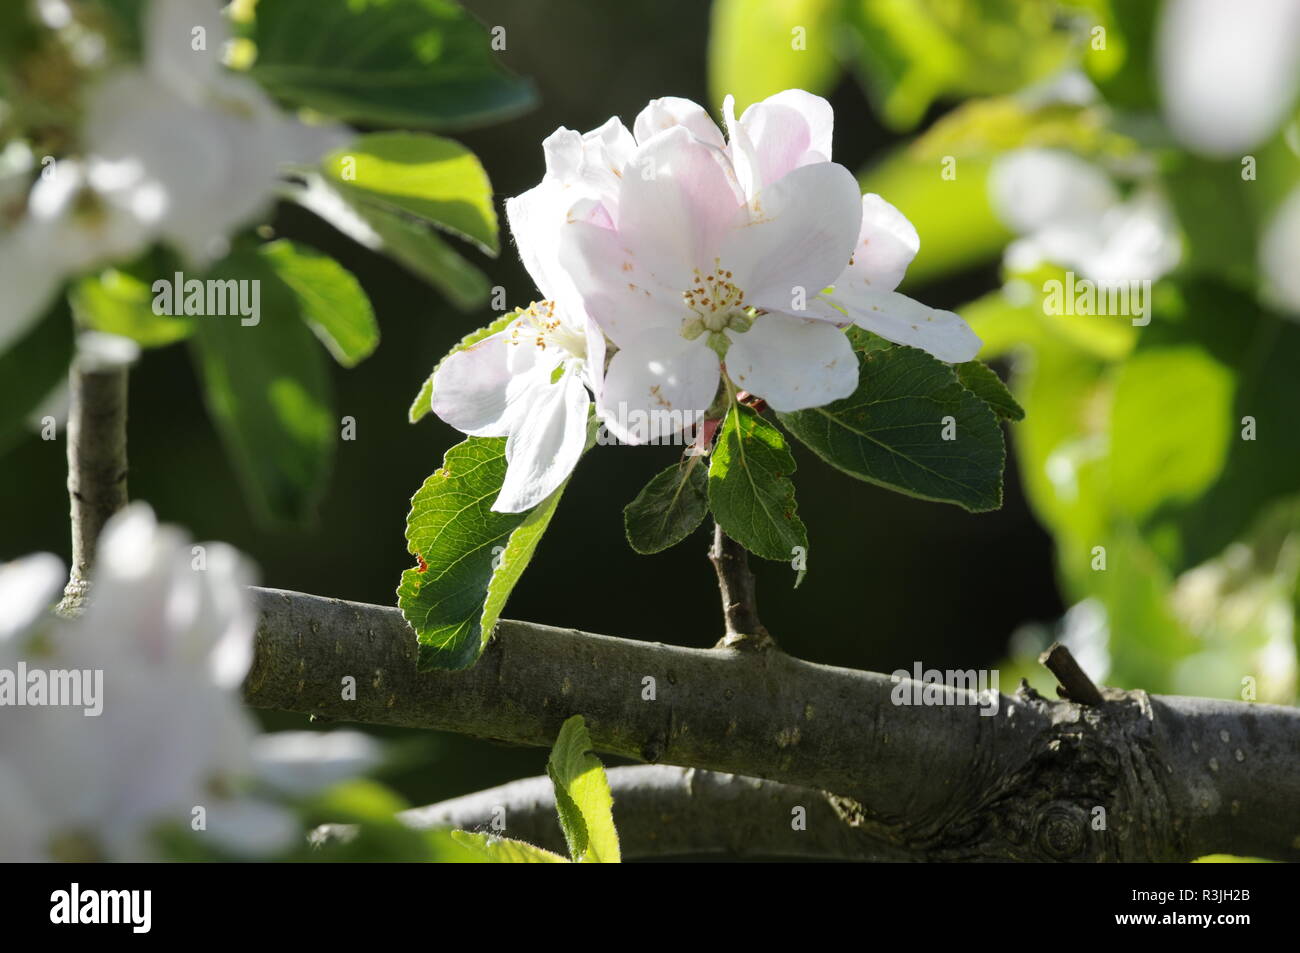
{"x":679,"y":198}
{"x":902,"y":320}
{"x":617,"y":283}
{"x":793,"y":363}
{"x":1227,"y":71}
{"x":657,"y":385}
{"x":887,"y":243}
{"x":546,"y":443}
{"x":670,"y":111}
{"x":801,"y":237}
{"x":787,"y":131}
{"x":483,"y":389}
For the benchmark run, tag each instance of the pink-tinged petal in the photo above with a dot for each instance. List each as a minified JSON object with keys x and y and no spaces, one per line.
{"x":793,"y":363}
{"x":887,"y":243}
{"x":744,"y":154}
{"x":802,"y":233}
{"x":670,"y":111}
{"x":657,"y":385}
{"x":902,"y":320}
{"x":787,"y":131}
{"x":546,"y":444}
{"x":679,"y":198}
{"x":617,"y":283}
{"x":482,"y":390}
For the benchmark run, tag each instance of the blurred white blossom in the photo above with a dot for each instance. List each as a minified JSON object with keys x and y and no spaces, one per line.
{"x":171,"y":626}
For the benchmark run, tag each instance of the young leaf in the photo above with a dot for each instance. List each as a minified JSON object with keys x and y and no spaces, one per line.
{"x":422,"y":403}
{"x":668,"y":508}
{"x":982,"y":381}
{"x":473,"y":555}
{"x":410,"y":63}
{"x":910,"y":426}
{"x":435,"y":179}
{"x":330,"y":300}
{"x":267,"y":389}
{"x":410,"y":243}
{"x":503,"y":850}
{"x":117,"y":302}
{"x":750,"y":492}
{"x":582,"y":796}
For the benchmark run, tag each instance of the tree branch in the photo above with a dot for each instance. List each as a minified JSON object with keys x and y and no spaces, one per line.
{"x":96,"y":467}
{"x":739,"y":601}
{"x":664,"y":811}
{"x":1139,"y":777}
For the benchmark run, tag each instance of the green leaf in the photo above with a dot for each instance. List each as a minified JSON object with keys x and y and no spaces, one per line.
{"x":503,"y":850}
{"x":422,"y":404}
{"x":413,"y":63}
{"x":474,"y":556}
{"x":982,"y":381}
{"x":750,"y":491}
{"x":330,"y":300}
{"x":794,"y":40}
{"x":891,"y":430}
{"x":582,"y":796}
{"x":1171,"y":421}
{"x":668,"y":508}
{"x":32,"y":368}
{"x":117,"y":302}
{"x":411,"y":244}
{"x":267,"y":389}
{"x":435,"y":179}
{"x":912,"y":52}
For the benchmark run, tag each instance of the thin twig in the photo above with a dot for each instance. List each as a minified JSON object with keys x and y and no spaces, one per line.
{"x":1074,"y":683}
{"x":739,"y":602}
{"x":96,"y":467}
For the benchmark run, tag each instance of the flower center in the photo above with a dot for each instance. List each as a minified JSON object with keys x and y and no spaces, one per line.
{"x":540,"y":326}
{"x":715,"y":304}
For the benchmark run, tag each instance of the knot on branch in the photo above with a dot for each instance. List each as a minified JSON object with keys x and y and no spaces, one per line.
{"x":1090,"y":788}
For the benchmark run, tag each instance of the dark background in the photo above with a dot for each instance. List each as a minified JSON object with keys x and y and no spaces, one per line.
{"x":891,"y":580}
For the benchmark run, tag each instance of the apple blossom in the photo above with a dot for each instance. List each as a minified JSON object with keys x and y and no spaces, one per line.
{"x":529,"y":382}
{"x":178,"y":149}
{"x":1069,"y":212}
{"x":170,"y":626}
{"x":736,"y":251}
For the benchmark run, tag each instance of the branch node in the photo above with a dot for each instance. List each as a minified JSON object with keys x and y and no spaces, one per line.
{"x":1073,"y":683}
{"x":744,"y":631}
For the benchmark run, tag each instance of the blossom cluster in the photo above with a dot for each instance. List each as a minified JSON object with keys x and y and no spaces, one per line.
{"x":165,"y":744}
{"x":677,"y":265}
{"x":176,"y":149}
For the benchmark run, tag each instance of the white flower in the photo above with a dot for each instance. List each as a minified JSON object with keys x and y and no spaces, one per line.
{"x":171,"y":627}
{"x":1228,"y":71}
{"x":211,"y":141}
{"x":1071,"y":214}
{"x":529,"y":382}
{"x":712,"y":250}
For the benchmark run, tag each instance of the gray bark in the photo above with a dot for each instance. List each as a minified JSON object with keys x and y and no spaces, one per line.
{"x":96,"y":468}
{"x":1139,"y":777}
{"x":665,"y":811}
